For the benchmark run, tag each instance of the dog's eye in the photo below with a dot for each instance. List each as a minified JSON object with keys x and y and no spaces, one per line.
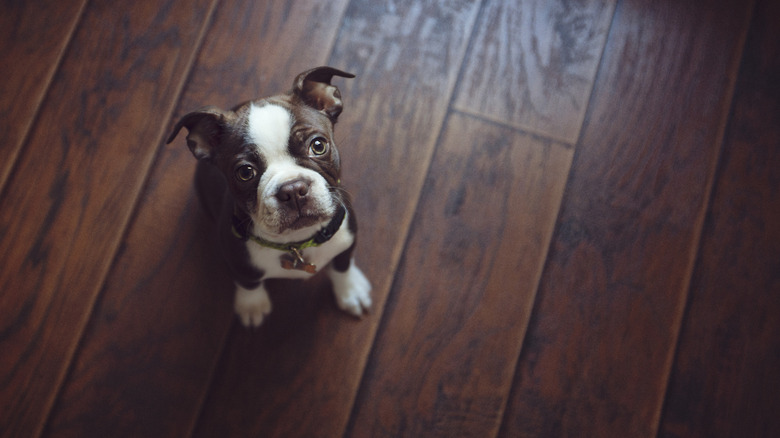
{"x":318,"y":146}
{"x":245,"y":173}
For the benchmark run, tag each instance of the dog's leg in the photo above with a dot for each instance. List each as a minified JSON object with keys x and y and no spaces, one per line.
{"x":252,"y":305}
{"x":351,"y":288}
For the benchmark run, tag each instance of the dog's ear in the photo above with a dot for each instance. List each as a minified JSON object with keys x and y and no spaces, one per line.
{"x":205,"y":126}
{"x":314,"y":88}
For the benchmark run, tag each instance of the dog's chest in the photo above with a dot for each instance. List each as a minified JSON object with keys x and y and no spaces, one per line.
{"x":269,"y":260}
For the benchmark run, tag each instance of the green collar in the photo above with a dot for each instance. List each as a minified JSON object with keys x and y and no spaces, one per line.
{"x":318,"y":239}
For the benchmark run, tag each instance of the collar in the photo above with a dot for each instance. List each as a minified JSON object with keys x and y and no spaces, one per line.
{"x":318,"y":239}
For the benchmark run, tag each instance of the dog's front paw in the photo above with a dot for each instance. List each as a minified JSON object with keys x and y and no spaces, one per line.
{"x":352,"y":290}
{"x":252,"y":305}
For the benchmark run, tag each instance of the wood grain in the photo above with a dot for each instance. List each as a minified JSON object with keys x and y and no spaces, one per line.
{"x":532,"y":64}
{"x":33,"y":37}
{"x":256,"y":48}
{"x":725,"y":380}
{"x":605,"y":324}
{"x":64,"y":210}
{"x":451,"y":334}
{"x":656,"y":306}
{"x":311,"y":361}
{"x":146,"y":360}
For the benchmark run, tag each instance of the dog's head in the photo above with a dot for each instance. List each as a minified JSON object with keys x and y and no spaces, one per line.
{"x":278,"y":155}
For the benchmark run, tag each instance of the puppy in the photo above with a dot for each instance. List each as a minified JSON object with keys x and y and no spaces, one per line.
{"x":268,"y":173}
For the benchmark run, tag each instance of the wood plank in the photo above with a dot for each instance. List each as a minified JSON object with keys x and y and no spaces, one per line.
{"x":725,"y":379}
{"x":299,"y":375}
{"x":65,"y":208}
{"x":446,"y":353}
{"x":532,"y":64}
{"x":33,"y":37}
{"x":600,"y":344}
{"x":145,"y":363}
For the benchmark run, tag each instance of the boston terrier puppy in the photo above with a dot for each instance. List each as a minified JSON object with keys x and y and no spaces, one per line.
{"x":268,"y":174}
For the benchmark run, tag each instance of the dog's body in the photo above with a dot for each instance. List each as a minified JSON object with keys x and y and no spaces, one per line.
{"x":268,"y":174}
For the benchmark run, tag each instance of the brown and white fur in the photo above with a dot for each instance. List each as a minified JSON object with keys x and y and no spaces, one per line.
{"x":270,"y":168}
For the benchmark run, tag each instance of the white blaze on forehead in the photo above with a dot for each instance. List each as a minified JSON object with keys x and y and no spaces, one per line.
{"x":269,"y":128}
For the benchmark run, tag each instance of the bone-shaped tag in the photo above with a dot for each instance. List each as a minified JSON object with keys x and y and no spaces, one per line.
{"x":294,"y":260}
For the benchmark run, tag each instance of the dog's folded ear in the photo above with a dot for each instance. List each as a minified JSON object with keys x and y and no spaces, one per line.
{"x":205,"y":126}
{"x":314,"y":88}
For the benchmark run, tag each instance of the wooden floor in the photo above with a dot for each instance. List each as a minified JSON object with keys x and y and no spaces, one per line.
{"x":569,"y":211}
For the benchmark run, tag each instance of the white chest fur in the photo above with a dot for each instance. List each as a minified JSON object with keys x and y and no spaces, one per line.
{"x":269,"y":260}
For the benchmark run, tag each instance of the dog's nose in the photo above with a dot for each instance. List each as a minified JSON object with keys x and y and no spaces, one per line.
{"x":293,"y":191}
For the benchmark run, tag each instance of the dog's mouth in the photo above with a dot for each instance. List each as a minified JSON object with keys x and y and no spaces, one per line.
{"x":299,"y":205}
{"x":291,"y":223}
{"x":297,"y":221}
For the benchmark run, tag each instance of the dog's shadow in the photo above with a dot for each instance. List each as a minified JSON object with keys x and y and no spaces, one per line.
{"x":293,"y":335}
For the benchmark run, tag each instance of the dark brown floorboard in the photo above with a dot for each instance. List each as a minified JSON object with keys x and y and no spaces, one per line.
{"x":725,"y":377}
{"x":33,"y":38}
{"x":605,"y":324}
{"x":444,"y":360}
{"x":74,"y":187}
{"x":532,"y":64}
